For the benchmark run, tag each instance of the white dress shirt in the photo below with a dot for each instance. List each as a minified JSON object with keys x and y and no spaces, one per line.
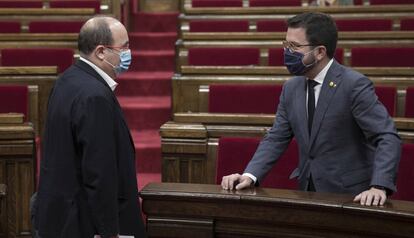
{"x":111,"y":83}
{"x":319,"y":78}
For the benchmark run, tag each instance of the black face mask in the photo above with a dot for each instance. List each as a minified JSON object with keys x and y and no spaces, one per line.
{"x":294,"y":62}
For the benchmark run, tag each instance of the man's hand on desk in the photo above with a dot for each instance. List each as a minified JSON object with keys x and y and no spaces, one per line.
{"x":228,"y":182}
{"x":373,"y":196}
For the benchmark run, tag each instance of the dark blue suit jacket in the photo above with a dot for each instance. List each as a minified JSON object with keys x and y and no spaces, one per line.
{"x":353,"y":144}
{"x":87,"y":176}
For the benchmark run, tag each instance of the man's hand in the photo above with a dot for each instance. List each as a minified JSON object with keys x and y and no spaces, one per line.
{"x":242,"y":182}
{"x":372,"y":196}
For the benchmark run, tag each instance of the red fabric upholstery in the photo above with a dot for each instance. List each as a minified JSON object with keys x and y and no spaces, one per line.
{"x":358,"y":2}
{"x":217,"y":3}
{"x":388,"y":97}
{"x":95,"y":4}
{"x":21,"y":4}
{"x":270,"y":3}
{"x":219,"y":26}
{"x":271,"y":26}
{"x":339,"y":55}
{"x":382,"y":57}
{"x":409,"y":102}
{"x":389,"y":2}
{"x":405,"y":179}
{"x":276,"y":57}
{"x":364,"y":24}
{"x":244,"y":98}
{"x":223,"y":56}
{"x":235,"y":153}
{"x":9,"y":27}
{"x":55,"y":27}
{"x":14,"y":98}
{"x":62,"y":58}
{"x":407,"y":24}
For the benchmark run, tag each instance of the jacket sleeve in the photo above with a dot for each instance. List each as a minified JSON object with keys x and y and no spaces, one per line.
{"x":379,"y":129}
{"x":95,"y":128}
{"x":273,"y":144}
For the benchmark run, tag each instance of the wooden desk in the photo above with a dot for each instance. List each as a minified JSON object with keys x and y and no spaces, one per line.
{"x":196,"y":210}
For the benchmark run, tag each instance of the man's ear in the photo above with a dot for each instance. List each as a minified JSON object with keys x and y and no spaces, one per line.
{"x":321,"y":53}
{"x":99,"y":52}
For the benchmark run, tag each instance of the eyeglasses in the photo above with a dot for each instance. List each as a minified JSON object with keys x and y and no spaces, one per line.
{"x":119,"y":48}
{"x":292,"y":47}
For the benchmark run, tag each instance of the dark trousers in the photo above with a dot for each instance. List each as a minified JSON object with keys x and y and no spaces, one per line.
{"x":311,"y":186}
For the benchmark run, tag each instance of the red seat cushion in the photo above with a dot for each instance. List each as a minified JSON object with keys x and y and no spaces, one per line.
{"x":405,"y":179}
{"x":276,"y":57}
{"x":388,"y":97}
{"x":407,"y":24}
{"x":358,"y":2}
{"x":235,"y":153}
{"x":14,"y":98}
{"x":62,"y":58}
{"x":364,"y":24}
{"x":217,"y":3}
{"x":219,"y":26}
{"x":223,"y":56}
{"x":271,"y":26}
{"x":389,"y":2}
{"x":9,"y":27}
{"x":409,"y":102}
{"x":244,"y":98}
{"x":21,"y":4}
{"x":275,"y":3}
{"x":55,"y":27}
{"x":339,"y":55}
{"x":95,"y":4}
{"x":382,"y":57}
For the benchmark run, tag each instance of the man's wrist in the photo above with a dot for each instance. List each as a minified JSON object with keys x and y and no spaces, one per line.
{"x":386,"y":191}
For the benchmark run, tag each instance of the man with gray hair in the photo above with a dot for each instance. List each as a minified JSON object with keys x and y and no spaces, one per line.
{"x":88,"y":184}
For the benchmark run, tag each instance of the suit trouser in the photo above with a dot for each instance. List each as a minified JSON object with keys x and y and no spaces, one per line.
{"x":311,"y":186}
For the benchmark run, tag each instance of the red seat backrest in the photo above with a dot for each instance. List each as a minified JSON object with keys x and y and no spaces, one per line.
{"x":217,"y":3}
{"x":271,"y":26}
{"x":275,"y":3}
{"x":364,"y":24}
{"x":62,"y":58}
{"x":95,"y":4}
{"x":55,"y":26}
{"x":223,"y":56}
{"x":235,"y":153}
{"x":231,"y":98}
{"x":409,"y":102}
{"x":9,"y":27}
{"x":390,"y":2}
{"x":21,"y":4}
{"x":14,"y":98}
{"x":405,"y":178}
{"x":407,"y":24}
{"x":388,"y":97}
{"x":382,"y":57}
{"x":219,"y":26}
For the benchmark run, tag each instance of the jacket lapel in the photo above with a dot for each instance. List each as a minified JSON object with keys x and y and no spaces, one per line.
{"x":301,"y":110}
{"x":329,"y":86}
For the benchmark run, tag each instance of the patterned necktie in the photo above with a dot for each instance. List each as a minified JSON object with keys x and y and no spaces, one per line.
{"x":311,"y":102}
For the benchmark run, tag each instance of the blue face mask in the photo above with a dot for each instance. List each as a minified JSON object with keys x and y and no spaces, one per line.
{"x":294,"y":62}
{"x":125,"y":59}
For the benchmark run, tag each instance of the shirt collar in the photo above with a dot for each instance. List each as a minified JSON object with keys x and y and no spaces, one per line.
{"x":111,"y":83}
{"x":321,"y":76}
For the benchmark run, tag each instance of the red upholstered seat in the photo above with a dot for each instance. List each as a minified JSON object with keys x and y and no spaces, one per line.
{"x":339,"y":55}
{"x":405,"y":179}
{"x":219,"y":26}
{"x":358,"y":2}
{"x":21,"y":4}
{"x":390,"y":2}
{"x":274,"y":3}
{"x":364,"y":24}
{"x":223,"y":56}
{"x":95,"y":4}
{"x":14,"y":98}
{"x":407,"y":24}
{"x":55,"y":26}
{"x":271,"y":26}
{"x":235,"y":153}
{"x":9,"y":27}
{"x":382,"y":57}
{"x":388,"y":97}
{"x":62,"y":58}
{"x":244,"y":98}
{"x":409,"y":102}
{"x":217,"y":3}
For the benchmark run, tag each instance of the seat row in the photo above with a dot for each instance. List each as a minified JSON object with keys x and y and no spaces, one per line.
{"x":95,"y":4}
{"x":41,"y":27}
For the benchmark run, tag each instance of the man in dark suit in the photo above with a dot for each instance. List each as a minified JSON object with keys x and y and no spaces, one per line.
{"x":88,"y":184}
{"x":347,"y":141}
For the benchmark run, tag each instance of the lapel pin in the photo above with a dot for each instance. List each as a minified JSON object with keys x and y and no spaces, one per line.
{"x":332,"y":84}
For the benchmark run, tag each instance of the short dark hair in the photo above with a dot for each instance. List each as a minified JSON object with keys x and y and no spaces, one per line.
{"x":320,"y":29}
{"x":92,"y":35}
